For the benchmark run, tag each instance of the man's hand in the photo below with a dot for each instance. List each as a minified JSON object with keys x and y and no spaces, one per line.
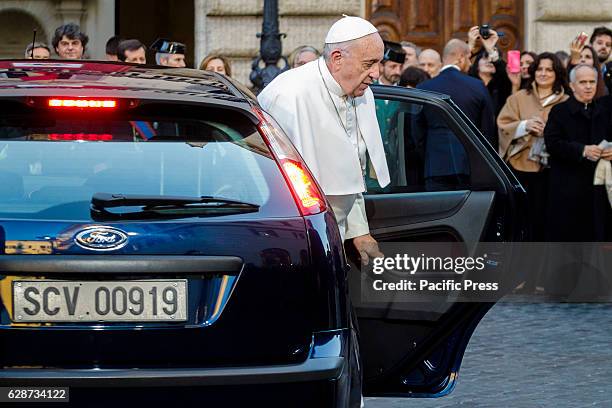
{"x":606,"y":155}
{"x":367,"y":248}
{"x":592,"y":152}
{"x":474,"y":40}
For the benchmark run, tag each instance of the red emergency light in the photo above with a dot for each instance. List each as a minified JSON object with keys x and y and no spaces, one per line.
{"x":83,"y":103}
{"x":90,"y":137}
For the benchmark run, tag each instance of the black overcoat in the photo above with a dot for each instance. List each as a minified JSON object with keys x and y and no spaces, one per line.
{"x":577,"y":210}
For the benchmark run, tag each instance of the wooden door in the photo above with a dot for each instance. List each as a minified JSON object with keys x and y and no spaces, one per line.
{"x":431,"y":23}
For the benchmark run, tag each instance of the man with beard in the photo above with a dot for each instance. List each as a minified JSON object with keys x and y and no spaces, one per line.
{"x":601,"y":41}
{"x":392,"y":63}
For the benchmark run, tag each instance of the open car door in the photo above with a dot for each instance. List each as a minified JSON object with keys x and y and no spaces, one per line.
{"x":448,"y":185}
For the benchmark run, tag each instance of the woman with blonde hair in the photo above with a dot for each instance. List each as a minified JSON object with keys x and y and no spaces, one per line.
{"x":302,"y":55}
{"x":216,"y":63}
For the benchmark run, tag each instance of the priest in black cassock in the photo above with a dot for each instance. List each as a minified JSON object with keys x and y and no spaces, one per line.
{"x":579,"y":211}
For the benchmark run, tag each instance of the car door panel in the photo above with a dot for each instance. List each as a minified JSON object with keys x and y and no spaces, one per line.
{"x":463,"y":215}
{"x":415,"y":348}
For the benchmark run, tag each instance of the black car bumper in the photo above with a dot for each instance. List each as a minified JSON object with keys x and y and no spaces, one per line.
{"x":321,"y":380}
{"x":313,"y":369}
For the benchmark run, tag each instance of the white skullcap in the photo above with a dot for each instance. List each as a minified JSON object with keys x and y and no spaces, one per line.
{"x":349,"y":28}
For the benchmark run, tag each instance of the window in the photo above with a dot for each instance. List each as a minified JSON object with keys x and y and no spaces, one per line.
{"x":51,"y":165}
{"x":422,"y":149}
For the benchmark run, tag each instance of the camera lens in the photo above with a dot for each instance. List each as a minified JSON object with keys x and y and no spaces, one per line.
{"x":484,"y":31}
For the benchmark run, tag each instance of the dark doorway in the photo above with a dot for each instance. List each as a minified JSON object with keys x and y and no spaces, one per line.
{"x":148,"y":20}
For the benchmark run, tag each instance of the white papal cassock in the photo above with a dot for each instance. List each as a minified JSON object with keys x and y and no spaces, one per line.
{"x":332,"y":132}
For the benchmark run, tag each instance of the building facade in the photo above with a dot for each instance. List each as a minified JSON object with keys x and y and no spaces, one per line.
{"x":229,"y":27}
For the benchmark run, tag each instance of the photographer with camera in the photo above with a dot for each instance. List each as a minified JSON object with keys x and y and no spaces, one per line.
{"x":483,"y":38}
{"x":488,"y":66}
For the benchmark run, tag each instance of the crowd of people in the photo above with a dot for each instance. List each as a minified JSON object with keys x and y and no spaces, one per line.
{"x":547,"y":114}
{"x":69,"y":42}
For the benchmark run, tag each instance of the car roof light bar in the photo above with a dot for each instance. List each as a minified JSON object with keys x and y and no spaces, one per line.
{"x":83,"y":103}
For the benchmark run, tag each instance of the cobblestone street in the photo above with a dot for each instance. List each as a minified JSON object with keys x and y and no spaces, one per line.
{"x":532,"y":356}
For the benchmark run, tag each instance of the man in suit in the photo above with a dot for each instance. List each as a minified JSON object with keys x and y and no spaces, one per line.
{"x":601,"y":41}
{"x":446,"y":163}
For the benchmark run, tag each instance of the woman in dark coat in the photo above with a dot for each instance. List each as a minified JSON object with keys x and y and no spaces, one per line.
{"x":493,"y":75}
{"x":578,"y":210}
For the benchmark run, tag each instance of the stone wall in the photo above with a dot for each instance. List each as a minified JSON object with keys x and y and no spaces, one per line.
{"x":229,"y":27}
{"x":552,"y":24}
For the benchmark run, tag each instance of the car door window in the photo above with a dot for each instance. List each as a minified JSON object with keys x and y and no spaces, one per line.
{"x":423,"y":152}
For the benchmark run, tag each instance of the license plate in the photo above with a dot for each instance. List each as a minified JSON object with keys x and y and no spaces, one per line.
{"x":43,"y":301}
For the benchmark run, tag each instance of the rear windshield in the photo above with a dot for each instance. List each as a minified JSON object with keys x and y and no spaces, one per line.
{"x":52,"y":163}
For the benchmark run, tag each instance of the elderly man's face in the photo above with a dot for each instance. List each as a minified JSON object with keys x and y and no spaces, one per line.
{"x":585,"y":85}
{"x":69,"y":48}
{"x":39,"y":53}
{"x":174,"y":60}
{"x":429,"y":61}
{"x":357,"y":67}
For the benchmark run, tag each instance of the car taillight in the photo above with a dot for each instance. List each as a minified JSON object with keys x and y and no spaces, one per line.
{"x":83,"y":103}
{"x":90,"y":137}
{"x":306,"y":192}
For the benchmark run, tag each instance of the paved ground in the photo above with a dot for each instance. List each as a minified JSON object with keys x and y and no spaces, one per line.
{"x":532,"y":356}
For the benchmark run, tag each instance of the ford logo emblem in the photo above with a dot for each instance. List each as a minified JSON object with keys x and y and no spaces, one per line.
{"x":101,"y":239}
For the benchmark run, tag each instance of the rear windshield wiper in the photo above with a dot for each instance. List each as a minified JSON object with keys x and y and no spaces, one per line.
{"x":158,"y":206}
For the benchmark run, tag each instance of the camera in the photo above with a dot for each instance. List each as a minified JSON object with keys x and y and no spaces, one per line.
{"x":484,"y":31}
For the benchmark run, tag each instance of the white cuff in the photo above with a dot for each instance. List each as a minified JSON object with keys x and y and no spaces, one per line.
{"x":521,"y":130}
{"x":357,"y":220}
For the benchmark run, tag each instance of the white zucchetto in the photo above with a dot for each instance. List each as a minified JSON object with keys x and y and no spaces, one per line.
{"x":349,"y":28}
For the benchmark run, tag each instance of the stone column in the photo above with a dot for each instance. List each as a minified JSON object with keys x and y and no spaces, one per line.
{"x":99,"y":25}
{"x":229,"y":27}
{"x":70,"y":11}
{"x":550,"y":25}
{"x":199,"y":31}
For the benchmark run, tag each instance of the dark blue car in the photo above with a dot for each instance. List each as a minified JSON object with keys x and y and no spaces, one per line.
{"x":163,"y":243}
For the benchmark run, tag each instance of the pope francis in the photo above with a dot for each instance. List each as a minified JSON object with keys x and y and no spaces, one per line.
{"x":327,"y":110}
